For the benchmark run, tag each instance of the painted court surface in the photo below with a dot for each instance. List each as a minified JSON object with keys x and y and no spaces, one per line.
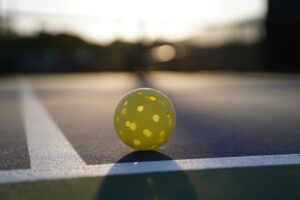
{"x":237,"y":137}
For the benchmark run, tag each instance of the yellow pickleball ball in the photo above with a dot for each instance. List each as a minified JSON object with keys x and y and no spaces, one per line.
{"x":145,"y":119}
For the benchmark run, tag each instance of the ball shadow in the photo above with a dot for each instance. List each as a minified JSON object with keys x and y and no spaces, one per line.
{"x":154,"y":185}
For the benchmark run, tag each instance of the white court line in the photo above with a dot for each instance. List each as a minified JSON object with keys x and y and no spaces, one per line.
{"x":53,"y":157}
{"x":13,"y":176}
{"x":47,"y":145}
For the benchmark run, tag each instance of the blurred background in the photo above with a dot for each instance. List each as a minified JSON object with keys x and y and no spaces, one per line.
{"x":132,"y":35}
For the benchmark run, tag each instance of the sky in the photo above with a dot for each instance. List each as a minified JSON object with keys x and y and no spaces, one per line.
{"x":104,"y":21}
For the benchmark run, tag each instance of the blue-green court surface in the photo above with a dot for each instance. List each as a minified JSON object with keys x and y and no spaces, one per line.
{"x":236,"y":137}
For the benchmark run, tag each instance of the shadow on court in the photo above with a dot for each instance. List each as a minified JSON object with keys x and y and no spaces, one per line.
{"x":237,"y":123}
{"x":152,"y":186}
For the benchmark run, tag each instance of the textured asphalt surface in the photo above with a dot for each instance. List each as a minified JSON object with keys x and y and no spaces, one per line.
{"x":218,"y":115}
{"x":13,"y":147}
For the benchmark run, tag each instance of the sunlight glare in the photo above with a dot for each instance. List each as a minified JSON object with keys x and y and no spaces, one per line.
{"x":130,"y":20}
{"x":163,"y":53}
